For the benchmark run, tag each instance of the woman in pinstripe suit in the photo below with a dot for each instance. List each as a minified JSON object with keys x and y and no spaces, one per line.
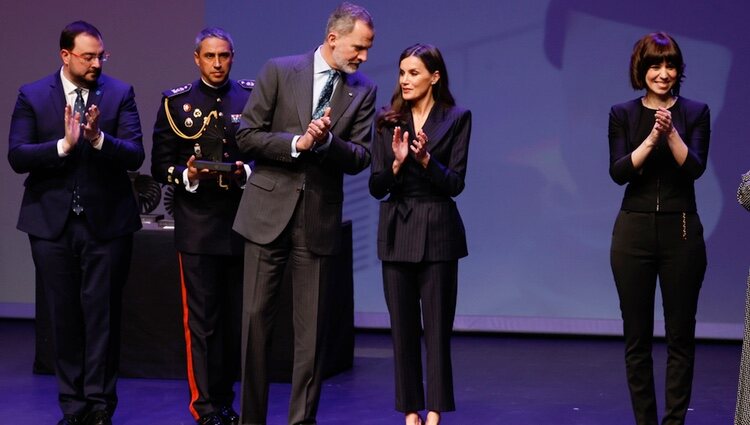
{"x":419,"y":161}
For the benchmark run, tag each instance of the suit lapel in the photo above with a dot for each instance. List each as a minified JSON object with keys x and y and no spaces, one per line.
{"x":57,"y":96}
{"x":638,"y":115}
{"x":436,"y":125}
{"x":95,"y":98}
{"x":342,"y":97}
{"x":95,"y":94}
{"x":302,"y":87}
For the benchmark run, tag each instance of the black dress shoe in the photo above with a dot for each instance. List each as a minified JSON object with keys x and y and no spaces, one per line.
{"x":99,"y":417}
{"x":229,"y":416}
{"x":210,"y":419}
{"x":69,"y":420}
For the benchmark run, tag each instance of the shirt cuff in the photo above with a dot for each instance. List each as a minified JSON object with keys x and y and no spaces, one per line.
{"x":248,"y":171}
{"x":192,"y":188}
{"x":60,"y":152}
{"x":295,"y":154}
{"x":99,"y":141}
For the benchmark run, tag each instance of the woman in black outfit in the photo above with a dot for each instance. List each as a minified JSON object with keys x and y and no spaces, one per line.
{"x":419,"y":160}
{"x":659,"y":146}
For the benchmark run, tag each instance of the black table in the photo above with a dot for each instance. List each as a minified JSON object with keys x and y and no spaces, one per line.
{"x":152,"y":342}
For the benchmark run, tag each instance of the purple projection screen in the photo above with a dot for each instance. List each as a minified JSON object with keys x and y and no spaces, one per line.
{"x":539,"y":204}
{"x":539,"y":78}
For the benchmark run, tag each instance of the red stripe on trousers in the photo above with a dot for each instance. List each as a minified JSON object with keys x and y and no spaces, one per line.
{"x":188,"y":343}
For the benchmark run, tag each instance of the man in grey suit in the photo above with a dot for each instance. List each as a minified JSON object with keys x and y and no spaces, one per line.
{"x":307,"y":123}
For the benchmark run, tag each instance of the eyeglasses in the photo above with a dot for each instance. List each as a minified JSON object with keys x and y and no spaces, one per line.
{"x":89,"y":57}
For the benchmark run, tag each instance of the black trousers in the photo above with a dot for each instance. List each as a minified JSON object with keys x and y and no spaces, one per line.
{"x":670,"y":247}
{"x":82,"y":278}
{"x":416,"y":294}
{"x":211,"y":287}
{"x":264,"y":271}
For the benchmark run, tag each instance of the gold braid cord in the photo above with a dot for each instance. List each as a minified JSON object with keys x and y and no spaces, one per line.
{"x":221,"y":183}
{"x":206,"y":120}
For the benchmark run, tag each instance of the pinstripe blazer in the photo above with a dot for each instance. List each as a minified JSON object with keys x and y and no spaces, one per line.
{"x":280,"y":107}
{"x":419,"y":221}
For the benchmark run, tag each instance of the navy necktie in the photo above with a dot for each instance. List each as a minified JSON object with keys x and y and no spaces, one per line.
{"x":325,"y":95}
{"x":78,"y":107}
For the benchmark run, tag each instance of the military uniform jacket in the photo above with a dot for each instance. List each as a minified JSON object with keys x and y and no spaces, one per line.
{"x":199,"y":120}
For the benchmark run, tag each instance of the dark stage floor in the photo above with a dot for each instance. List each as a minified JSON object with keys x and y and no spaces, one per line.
{"x":500,"y":379}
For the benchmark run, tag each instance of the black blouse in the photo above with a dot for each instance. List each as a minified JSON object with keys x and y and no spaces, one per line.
{"x":660,"y":185}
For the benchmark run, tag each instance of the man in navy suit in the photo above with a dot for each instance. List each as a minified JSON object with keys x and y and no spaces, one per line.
{"x":76,"y":133}
{"x":307,"y":123}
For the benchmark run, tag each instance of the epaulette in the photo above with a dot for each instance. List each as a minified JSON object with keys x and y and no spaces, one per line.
{"x":177,"y":90}
{"x":246,"y":84}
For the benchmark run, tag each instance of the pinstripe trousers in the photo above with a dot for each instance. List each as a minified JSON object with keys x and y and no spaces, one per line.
{"x":422,"y":294}
{"x":264,"y":272}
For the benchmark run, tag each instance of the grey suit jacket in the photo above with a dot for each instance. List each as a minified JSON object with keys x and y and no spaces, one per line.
{"x":279,"y":108}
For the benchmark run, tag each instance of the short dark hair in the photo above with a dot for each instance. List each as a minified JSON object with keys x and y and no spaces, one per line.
{"x":653,"y":49}
{"x":214,"y":32}
{"x":343,"y":18}
{"x":433,"y":61}
{"x":73,"y":29}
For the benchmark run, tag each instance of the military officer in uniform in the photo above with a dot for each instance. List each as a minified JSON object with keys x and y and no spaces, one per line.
{"x":198,"y":121}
